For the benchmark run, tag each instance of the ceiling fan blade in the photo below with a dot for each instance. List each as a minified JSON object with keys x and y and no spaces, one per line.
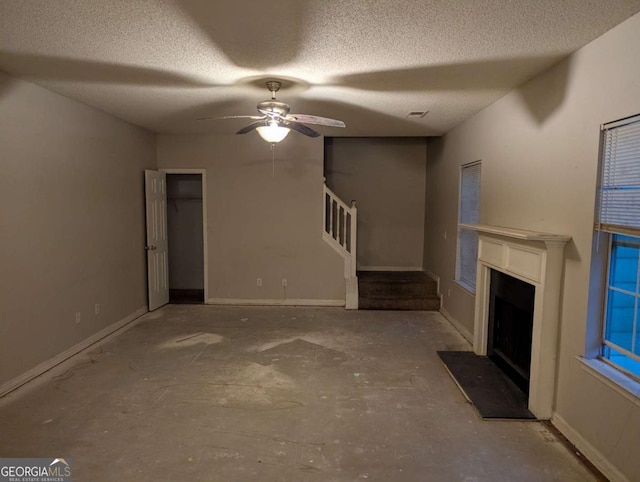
{"x":301,"y":128}
{"x":250,"y":127}
{"x":255,"y":117}
{"x":314,"y":119}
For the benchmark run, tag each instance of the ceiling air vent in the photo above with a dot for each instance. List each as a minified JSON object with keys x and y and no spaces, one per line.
{"x":417,"y":114}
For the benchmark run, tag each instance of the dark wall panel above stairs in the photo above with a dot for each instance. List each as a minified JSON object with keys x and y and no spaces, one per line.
{"x":397,"y":290}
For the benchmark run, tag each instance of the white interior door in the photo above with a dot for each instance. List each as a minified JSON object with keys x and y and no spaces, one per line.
{"x":157,"y":261}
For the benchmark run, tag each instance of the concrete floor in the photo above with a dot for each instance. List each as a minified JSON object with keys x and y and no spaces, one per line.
{"x":204,"y":393}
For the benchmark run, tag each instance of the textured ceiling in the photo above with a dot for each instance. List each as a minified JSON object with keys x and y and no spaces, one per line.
{"x":161,"y":64}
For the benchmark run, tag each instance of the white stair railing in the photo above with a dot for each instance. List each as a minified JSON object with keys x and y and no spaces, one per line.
{"x":340,"y":231}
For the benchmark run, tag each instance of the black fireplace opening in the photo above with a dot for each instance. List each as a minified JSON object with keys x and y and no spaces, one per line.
{"x":510,"y":326}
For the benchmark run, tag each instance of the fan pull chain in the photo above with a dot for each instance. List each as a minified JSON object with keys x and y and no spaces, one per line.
{"x":273,"y":159}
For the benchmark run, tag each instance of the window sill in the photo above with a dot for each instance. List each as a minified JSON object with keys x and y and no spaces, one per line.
{"x":465,"y":287}
{"x":613,"y":378}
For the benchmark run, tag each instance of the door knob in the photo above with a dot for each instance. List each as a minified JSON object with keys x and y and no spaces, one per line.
{"x":150,"y":248}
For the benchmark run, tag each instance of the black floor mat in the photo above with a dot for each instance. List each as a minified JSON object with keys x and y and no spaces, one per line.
{"x":486,"y":386}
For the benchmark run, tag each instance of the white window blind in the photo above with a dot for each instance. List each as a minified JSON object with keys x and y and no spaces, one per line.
{"x":468,"y":257}
{"x":470,"y":193}
{"x":619,"y":209}
{"x":469,"y":213}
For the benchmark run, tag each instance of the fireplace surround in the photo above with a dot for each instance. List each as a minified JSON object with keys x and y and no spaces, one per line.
{"x":535,"y":258}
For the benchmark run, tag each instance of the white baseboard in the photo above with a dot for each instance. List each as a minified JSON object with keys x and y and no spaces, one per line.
{"x":268,"y":302}
{"x":457,"y":325}
{"x":588,"y":450}
{"x":389,"y":268}
{"x":102,"y":335}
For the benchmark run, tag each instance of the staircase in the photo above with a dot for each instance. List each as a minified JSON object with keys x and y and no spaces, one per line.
{"x":339,"y":230}
{"x":397,"y":290}
{"x":372,"y":290}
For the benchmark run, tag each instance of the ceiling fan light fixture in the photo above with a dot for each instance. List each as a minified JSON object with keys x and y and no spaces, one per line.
{"x":273,"y":132}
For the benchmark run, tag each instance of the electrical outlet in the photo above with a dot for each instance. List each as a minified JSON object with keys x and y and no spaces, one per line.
{"x":77,"y":317}
{"x":97,"y":308}
{"x":284,"y":281}
{"x":445,"y":235}
{"x":259,"y":282}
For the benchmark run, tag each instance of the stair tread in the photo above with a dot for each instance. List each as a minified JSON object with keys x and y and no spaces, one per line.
{"x":408,"y":305}
{"x":398,"y":290}
{"x":401,"y":296}
{"x":394,"y":276}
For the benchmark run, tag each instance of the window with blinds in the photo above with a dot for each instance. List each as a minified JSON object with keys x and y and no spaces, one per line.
{"x":619,"y":209}
{"x":619,"y":214}
{"x":468,"y":213}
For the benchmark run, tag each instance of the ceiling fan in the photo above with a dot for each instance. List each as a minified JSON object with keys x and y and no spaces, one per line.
{"x":275,"y":121}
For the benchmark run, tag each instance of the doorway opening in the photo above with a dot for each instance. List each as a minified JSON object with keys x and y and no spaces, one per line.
{"x":511,"y":327}
{"x":186,"y":236}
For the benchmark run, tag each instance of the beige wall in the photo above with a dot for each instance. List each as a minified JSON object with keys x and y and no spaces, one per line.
{"x":261,"y":224}
{"x":71,"y":225}
{"x":539,"y":152}
{"x":386,"y":177}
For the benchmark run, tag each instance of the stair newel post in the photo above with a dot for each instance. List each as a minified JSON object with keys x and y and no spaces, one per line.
{"x":354,"y":236}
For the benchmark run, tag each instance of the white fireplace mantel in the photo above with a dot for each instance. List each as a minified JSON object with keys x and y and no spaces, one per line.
{"x":514,"y":233}
{"x":536,"y":258}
